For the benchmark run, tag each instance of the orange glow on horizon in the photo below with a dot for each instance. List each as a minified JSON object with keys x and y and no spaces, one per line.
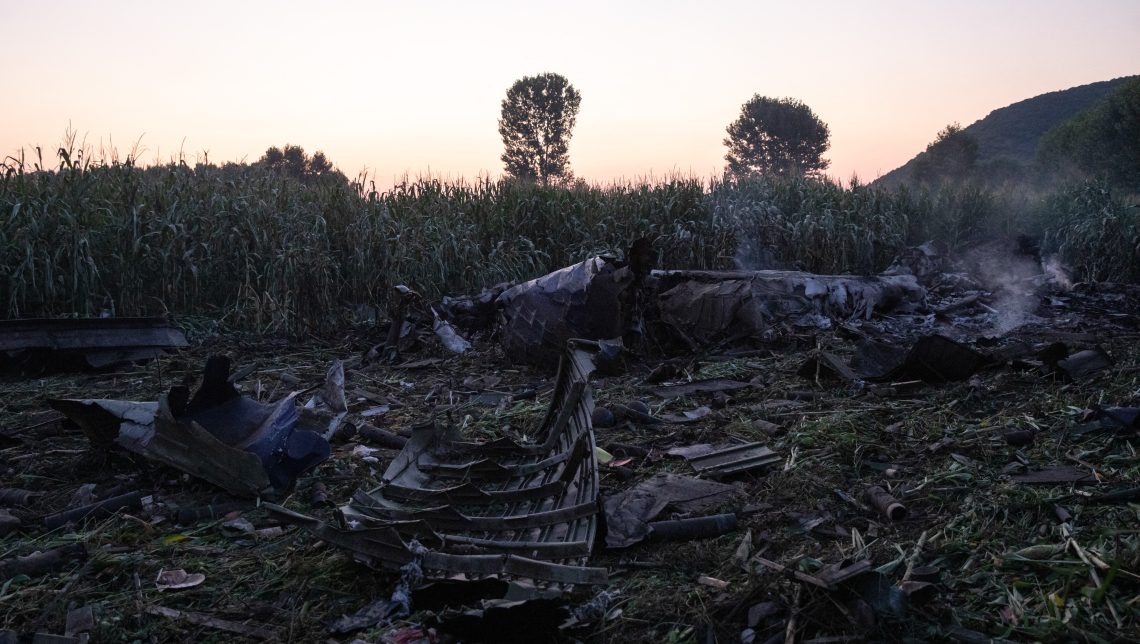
{"x":408,"y":88}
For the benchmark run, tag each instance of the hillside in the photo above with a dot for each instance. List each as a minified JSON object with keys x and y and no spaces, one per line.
{"x":1012,"y":132}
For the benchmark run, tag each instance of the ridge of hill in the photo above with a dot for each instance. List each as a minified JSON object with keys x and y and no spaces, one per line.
{"x":1012,"y":132}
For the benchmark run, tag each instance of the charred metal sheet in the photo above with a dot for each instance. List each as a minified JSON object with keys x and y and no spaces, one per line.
{"x":1082,"y":365}
{"x":734,"y":460}
{"x":932,"y":358}
{"x":244,"y":446}
{"x":710,"y":386}
{"x":90,"y":342}
{"x":524,"y":509}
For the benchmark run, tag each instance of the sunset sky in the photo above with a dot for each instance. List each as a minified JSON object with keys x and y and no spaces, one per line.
{"x":415,"y":87}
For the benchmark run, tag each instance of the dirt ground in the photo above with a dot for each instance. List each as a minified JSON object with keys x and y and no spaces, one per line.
{"x":1005,"y":559}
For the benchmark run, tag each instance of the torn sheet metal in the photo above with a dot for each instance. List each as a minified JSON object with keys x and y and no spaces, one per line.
{"x":593,"y":300}
{"x":95,"y":343}
{"x":932,"y":358}
{"x":244,"y":446}
{"x":1081,"y":365}
{"x":734,"y":460}
{"x":710,"y":305}
{"x":518,"y":508}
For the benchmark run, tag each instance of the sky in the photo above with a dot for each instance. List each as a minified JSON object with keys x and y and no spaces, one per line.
{"x":415,"y":88}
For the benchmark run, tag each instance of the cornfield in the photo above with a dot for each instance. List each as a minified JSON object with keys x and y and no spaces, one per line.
{"x":271,"y":253}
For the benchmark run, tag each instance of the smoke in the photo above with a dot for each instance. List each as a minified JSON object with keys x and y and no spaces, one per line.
{"x":1010,"y":278}
{"x":1057,"y":272}
{"x":753,"y":255}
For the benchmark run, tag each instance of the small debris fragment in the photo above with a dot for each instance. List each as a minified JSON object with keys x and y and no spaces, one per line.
{"x":1058,"y":474}
{"x":712,"y":582}
{"x":209,"y":621}
{"x":177,"y":579}
{"x":1084,"y":364}
{"x":40,"y":563}
{"x":99,"y":509}
{"x":8,"y":523}
{"x":887,"y":505}
{"x":734,"y":460}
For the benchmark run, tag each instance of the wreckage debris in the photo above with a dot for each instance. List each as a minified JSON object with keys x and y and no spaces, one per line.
{"x":8,"y":523}
{"x":602,"y":299}
{"x":244,"y":446}
{"x":709,"y":305}
{"x":98,"y":509}
{"x":733,"y":460}
{"x":629,"y":514}
{"x":1053,"y":475}
{"x":209,"y":621}
{"x":692,"y":528}
{"x":593,"y":300}
{"x":713,"y":385}
{"x":933,"y":359}
{"x":189,"y":516}
{"x":16,"y":496}
{"x":525,"y":509}
{"x":92,"y":343}
{"x":1081,"y":365}
{"x":887,"y":505}
{"x":41,"y":563}
{"x":824,"y":365}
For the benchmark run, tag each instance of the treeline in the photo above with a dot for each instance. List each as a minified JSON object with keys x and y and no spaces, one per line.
{"x":261,"y":249}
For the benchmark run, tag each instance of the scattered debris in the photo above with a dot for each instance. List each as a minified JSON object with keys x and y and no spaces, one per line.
{"x":712,"y":582}
{"x":734,"y":460}
{"x":41,"y":563}
{"x":80,"y":622}
{"x":629,"y":513}
{"x":8,"y":523}
{"x":594,"y":300}
{"x":16,"y":496}
{"x":209,"y":621}
{"x":693,"y":528}
{"x":94,"y":343}
{"x":1052,"y":475}
{"x":824,"y":365}
{"x":1081,"y":365}
{"x":244,"y":446}
{"x":709,"y":305}
{"x":98,"y":509}
{"x":887,"y":505}
{"x":188,"y":516}
{"x":437,"y":490}
{"x":480,"y":494}
{"x":177,"y":579}
{"x":932,"y":358}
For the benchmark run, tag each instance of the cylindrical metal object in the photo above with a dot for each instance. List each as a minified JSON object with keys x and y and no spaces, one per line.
{"x":14,"y":496}
{"x":381,"y":437}
{"x":186,"y":516}
{"x":98,"y":509}
{"x":694,"y":528}
{"x":886,"y":504}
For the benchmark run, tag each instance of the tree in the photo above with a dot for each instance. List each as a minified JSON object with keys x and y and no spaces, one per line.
{"x":293,"y":161}
{"x":951,"y":156}
{"x":781,"y":136}
{"x":535,"y":123}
